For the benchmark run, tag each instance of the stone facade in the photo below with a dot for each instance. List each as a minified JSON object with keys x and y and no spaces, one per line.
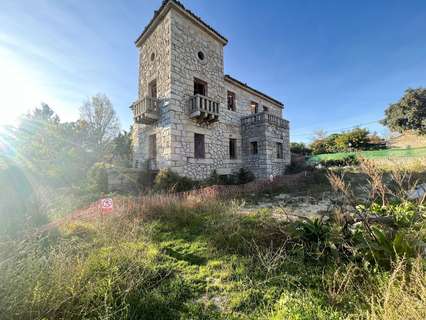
{"x":176,"y":50}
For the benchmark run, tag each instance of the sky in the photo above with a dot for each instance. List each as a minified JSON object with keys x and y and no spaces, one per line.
{"x":334,"y":64}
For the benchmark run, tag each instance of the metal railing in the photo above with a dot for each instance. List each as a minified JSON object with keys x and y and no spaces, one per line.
{"x":264,"y":117}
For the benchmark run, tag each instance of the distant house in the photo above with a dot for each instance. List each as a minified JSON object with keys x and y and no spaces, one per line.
{"x":190,"y":116}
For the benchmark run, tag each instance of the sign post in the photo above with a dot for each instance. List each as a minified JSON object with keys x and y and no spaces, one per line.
{"x":107,"y":205}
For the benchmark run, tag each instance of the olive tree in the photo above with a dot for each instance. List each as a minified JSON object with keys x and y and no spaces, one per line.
{"x":409,"y":113}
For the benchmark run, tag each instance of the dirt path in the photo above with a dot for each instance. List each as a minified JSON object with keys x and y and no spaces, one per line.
{"x":287,"y":204}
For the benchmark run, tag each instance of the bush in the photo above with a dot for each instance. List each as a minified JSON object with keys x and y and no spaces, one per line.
{"x":349,"y":160}
{"x":20,"y":207}
{"x":169,"y":181}
{"x":97,"y":178}
{"x":299,"y":148}
{"x":297,"y":164}
{"x":245,"y":176}
{"x":356,"y":139}
{"x":145,"y":180}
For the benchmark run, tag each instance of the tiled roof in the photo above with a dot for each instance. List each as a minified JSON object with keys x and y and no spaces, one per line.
{"x":231,"y":79}
{"x":181,"y":6}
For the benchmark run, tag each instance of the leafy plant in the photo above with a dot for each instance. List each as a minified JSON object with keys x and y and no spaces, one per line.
{"x":97,"y":178}
{"x":167,"y":180}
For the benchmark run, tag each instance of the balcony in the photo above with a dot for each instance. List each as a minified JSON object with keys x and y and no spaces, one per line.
{"x":146,"y":110}
{"x":264,"y":118}
{"x":203,"y":109}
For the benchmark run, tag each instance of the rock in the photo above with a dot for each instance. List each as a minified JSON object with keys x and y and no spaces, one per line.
{"x":418,"y":192}
{"x":282,"y":196}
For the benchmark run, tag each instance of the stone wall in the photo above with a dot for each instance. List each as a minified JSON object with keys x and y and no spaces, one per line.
{"x":187,"y":41}
{"x":266,"y":162}
{"x":155,"y":64}
{"x":175,"y":43}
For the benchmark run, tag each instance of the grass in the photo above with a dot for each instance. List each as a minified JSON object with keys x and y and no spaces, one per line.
{"x":188,"y":259}
{"x":375,"y":154}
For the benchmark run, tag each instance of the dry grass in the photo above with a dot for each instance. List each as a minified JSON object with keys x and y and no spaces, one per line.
{"x":403,"y":294}
{"x":413,"y":164}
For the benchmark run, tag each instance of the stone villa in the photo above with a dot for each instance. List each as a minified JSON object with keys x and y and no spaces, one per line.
{"x":190,"y":116}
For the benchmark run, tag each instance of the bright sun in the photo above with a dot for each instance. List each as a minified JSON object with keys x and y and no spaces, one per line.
{"x":19,"y":91}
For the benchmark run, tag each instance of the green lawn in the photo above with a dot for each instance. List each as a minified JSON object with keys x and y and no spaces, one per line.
{"x":375,"y":154}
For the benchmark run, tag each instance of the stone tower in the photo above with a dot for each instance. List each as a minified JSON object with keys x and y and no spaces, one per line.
{"x":189,"y":116}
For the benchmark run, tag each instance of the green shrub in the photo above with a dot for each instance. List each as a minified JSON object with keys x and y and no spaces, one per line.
{"x":169,"y":181}
{"x":388,"y":246}
{"x":20,"y":206}
{"x":299,"y":148}
{"x":145,"y":180}
{"x":349,"y":160}
{"x":245,"y":176}
{"x":297,"y":164}
{"x":97,"y":178}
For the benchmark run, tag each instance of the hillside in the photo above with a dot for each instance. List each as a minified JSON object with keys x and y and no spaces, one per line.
{"x":407,"y":140}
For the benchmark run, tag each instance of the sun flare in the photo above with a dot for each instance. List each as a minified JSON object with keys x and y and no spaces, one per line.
{"x":19,"y":90}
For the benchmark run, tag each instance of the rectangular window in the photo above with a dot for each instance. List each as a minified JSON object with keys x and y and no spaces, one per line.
{"x":152,"y":147}
{"x":254,"y":106}
{"x":231,"y":101}
{"x":199,"y":148}
{"x":253,"y":147}
{"x":232,"y":148}
{"x":200,"y":87}
{"x":279,"y":147}
{"x":265,"y":109}
{"x":152,"y":88}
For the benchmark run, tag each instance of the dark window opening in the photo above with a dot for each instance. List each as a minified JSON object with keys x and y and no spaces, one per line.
{"x":232,"y":148}
{"x":200,"y":55}
{"x":152,"y":87}
{"x":231,"y":101}
{"x":152,"y":147}
{"x":199,"y":147}
{"x":265,"y":109}
{"x":253,"y":147}
{"x":280,"y":154}
{"x":200,"y":87}
{"x":254,"y":107}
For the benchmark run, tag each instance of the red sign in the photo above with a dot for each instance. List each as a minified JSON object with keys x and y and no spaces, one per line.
{"x":107,"y":205}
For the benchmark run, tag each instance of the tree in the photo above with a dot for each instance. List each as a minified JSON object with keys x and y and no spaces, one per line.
{"x":102,"y":124}
{"x":299,"y":148}
{"x":409,"y":113}
{"x":122,"y":148}
{"x":356,"y":139}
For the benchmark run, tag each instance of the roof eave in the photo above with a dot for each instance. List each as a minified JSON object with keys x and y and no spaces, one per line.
{"x":164,"y":9}
{"x":254,"y":91}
